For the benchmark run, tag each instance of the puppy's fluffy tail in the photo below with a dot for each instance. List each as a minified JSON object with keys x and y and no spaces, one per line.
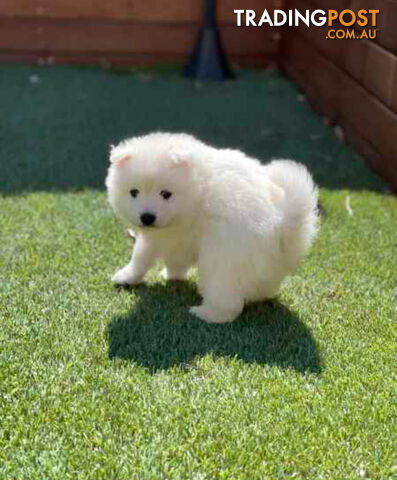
{"x":299,"y":207}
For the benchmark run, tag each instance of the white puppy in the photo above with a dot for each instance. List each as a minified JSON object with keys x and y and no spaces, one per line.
{"x":245,"y":225}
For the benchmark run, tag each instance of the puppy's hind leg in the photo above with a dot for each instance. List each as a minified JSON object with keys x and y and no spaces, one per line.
{"x":214,"y":311}
{"x":218,"y":283}
{"x":174,"y":272}
{"x":177,"y":266}
{"x":222,"y":303}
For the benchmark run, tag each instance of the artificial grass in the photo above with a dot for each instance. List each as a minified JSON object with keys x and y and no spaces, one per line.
{"x":98,"y":382}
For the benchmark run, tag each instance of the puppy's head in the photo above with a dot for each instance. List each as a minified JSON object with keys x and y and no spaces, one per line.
{"x":150,"y":182}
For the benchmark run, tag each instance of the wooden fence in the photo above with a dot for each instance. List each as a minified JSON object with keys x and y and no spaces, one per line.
{"x":352,"y":82}
{"x":124,"y":31}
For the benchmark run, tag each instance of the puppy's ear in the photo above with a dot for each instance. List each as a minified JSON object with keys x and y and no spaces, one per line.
{"x":180,"y":158}
{"x":119,"y":155}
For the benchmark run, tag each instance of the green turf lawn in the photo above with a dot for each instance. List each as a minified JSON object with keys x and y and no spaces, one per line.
{"x":101,"y":383}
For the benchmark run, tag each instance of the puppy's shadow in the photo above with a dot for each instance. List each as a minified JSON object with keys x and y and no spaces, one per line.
{"x":159,"y":333}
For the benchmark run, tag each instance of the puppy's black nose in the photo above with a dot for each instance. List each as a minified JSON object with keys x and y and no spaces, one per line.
{"x":148,"y":219}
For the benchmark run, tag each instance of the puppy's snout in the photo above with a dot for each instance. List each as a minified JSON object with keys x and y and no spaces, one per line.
{"x":148,"y":219}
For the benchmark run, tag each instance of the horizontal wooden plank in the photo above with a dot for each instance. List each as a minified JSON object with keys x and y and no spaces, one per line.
{"x":126,"y":10}
{"x":369,"y":63}
{"x":226,"y":8}
{"x":331,"y":4}
{"x":383,"y":166}
{"x":388,"y":30}
{"x":80,"y":36}
{"x":325,"y":82}
{"x":347,"y":54}
{"x":380,"y":73}
{"x":155,"y":10}
{"x":319,"y":103}
{"x":369,"y":116}
{"x":394,"y":94}
{"x":95,"y":36}
{"x":241,"y":41}
{"x":354,"y":58}
{"x":386,"y":168}
{"x":351,"y":105}
{"x":386,"y":19}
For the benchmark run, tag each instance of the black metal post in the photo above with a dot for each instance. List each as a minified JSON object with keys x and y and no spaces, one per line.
{"x":208,"y":61}
{"x":210,"y":13}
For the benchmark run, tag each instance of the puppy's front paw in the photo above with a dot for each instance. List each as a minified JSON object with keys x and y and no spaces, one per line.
{"x":210,"y":316}
{"x":126,"y":276}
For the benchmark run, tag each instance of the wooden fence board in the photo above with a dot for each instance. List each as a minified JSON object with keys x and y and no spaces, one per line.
{"x":368,"y":62}
{"x":380,"y":73}
{"x":126,"y":10}
{"x":352,"y":106}
{"x":82,"y":36}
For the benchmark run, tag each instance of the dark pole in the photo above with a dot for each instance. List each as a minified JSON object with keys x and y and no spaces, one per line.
{"x":208,"y":61}
{"x":210,"y":13}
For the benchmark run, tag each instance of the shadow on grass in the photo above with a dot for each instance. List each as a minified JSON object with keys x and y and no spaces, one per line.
{"x":159,"y":333}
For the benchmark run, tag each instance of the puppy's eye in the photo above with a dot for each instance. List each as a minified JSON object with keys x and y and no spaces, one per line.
{"x":165,"y":194}
{"x":134,"y":193}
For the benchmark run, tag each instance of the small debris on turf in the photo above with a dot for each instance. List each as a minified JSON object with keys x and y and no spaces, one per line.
{"x":339,"y":133}
{"x":145,"y":77}
{"x":347,"y":205}
{"x":362,"y":472}
{"x":315,"y":136}
{"x":34,"y":79}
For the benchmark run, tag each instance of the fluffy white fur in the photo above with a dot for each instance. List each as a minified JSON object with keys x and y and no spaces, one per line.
{"x":245,"y":225}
